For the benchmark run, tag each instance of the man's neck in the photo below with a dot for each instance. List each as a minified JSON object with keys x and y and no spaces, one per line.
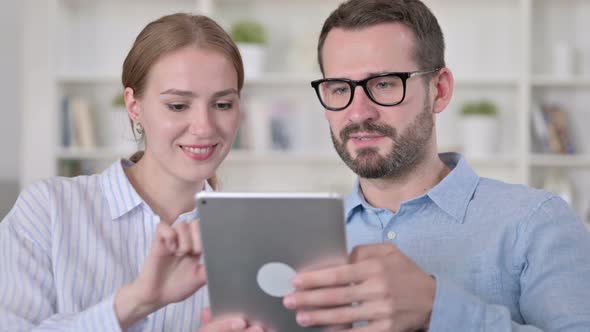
{"x":389,"y":193}
{"x":166,"y":195}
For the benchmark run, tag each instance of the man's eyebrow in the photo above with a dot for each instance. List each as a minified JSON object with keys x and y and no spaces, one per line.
{"x":380,"y":73}
{"x":371,"y":74}
{"x":182,"y":93}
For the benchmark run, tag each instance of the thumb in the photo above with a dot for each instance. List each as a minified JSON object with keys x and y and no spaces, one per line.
{"x":222,"y":324}
{"x":206,"y":316}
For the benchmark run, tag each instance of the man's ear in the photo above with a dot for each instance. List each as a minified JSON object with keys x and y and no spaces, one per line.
{"x":442,"y":89}
{"x":132,"y":105}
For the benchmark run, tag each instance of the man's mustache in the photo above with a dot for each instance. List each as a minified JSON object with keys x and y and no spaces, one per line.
{"x":367,"y":127}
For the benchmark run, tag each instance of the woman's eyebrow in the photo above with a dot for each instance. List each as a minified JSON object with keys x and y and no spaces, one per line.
{"x":182,"y":93}
{"x":225,"y":92}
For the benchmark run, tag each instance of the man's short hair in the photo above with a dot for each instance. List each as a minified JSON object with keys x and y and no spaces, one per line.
{"x":358,"y":14}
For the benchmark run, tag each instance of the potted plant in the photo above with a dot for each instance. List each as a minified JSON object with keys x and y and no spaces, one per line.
{"x":480,"y":128}
{"x":118,"y":101}
{"x":250,"y":36}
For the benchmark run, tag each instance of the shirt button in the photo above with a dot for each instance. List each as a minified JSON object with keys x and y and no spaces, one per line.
{"x":391,"y":235}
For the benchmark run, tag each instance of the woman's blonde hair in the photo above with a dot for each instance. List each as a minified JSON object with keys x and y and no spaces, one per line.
{"x":168,"y":34}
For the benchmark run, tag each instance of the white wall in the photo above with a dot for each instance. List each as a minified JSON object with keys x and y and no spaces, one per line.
{"x":10,"y":100}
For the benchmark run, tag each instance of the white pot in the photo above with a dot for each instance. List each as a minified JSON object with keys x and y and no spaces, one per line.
{"x":254,"y":58}
{"x":480,"y":136}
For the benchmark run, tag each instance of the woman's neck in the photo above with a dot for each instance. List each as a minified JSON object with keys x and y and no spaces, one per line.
{"x":167,"y":195}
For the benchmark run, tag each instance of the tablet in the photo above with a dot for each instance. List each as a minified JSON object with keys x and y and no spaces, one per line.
{"x":254,"y":243}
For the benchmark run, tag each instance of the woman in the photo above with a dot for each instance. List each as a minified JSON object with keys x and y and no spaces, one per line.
{"x":117,"y":250}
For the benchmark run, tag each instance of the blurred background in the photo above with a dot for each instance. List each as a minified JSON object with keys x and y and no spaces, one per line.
{"x":519,"y":114}
{"x":10,"y":95}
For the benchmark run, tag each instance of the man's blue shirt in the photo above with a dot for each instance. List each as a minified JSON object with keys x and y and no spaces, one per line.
{"x":505,"y":257}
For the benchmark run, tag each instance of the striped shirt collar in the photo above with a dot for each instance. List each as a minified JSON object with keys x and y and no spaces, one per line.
{"x":452,"y":194}
{"x":120,"y":194}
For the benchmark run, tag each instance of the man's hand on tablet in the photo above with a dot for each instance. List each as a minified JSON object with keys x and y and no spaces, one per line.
{"x":379,"y":285}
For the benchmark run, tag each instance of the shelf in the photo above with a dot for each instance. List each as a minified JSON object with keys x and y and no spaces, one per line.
{"x":485,"y":81}
{"x":92,"y":153}
{"x":88,"y":78}
{"x":78,"y":3}
{"x":551,"y":81}
{"x":274,"y":79}
{"x":235,"y":156}
{"x":267,"y":79}
{"x":279,"y":79}
{"x":245,"y":156}
{"x":556,"y":160}
{"x":332,"y":157}
{"x":502,"y":161}
{"x":281,"y":157}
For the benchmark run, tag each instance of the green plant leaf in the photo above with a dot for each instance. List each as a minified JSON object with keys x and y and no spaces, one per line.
{"x":483,"y":107}
{"x":248,"y":32}
{"x":118,"y":100}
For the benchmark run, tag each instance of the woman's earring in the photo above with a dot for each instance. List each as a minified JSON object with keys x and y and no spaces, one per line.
{"x":139,"y":129}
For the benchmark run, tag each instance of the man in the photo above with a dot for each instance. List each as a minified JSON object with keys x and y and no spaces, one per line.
{"x":435,"y":246}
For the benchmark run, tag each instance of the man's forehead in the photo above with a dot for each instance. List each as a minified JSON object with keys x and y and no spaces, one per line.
{"x":360,"y":52}
{"x":392,"y":32}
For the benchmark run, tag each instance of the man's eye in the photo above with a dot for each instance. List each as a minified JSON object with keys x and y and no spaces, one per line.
{"x":384,"y":85}
{"x":177,"y":107}
{"x":387,"y":83}
{"x":340,"y":90}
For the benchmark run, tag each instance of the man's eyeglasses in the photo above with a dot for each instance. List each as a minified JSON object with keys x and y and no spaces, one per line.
{"x":388,"y":89}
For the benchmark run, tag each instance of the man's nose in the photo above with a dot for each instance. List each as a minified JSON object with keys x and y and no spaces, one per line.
{"x":362,"y":108}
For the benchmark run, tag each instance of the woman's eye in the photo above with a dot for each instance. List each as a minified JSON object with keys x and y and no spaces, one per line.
{"x":223,"y":105}
{"x":177,"y":107}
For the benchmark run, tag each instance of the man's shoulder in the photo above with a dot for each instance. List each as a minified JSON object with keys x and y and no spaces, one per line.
{"x":491,"y":194}
{"x":493,"y":186}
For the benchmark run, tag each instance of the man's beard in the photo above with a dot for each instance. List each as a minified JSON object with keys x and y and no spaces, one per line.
{"x":407,"y":150}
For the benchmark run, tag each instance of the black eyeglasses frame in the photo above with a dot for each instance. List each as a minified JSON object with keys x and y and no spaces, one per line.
{"x":404,"y":76}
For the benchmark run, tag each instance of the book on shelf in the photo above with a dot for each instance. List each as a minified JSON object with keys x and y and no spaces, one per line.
{"x":551,"y":129}
{"x":267,"y":126}
{"x":77,"y":123}
{"x":66,"y":130}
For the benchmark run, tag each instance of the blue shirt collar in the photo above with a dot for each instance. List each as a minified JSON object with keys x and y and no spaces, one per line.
{"x":451,"y":195}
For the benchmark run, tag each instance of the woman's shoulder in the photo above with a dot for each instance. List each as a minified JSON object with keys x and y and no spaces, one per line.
{"x":44,"y":204}
{"x":54,"y":187}
{"x":42,"y":198}
{"x":59,"y":187}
